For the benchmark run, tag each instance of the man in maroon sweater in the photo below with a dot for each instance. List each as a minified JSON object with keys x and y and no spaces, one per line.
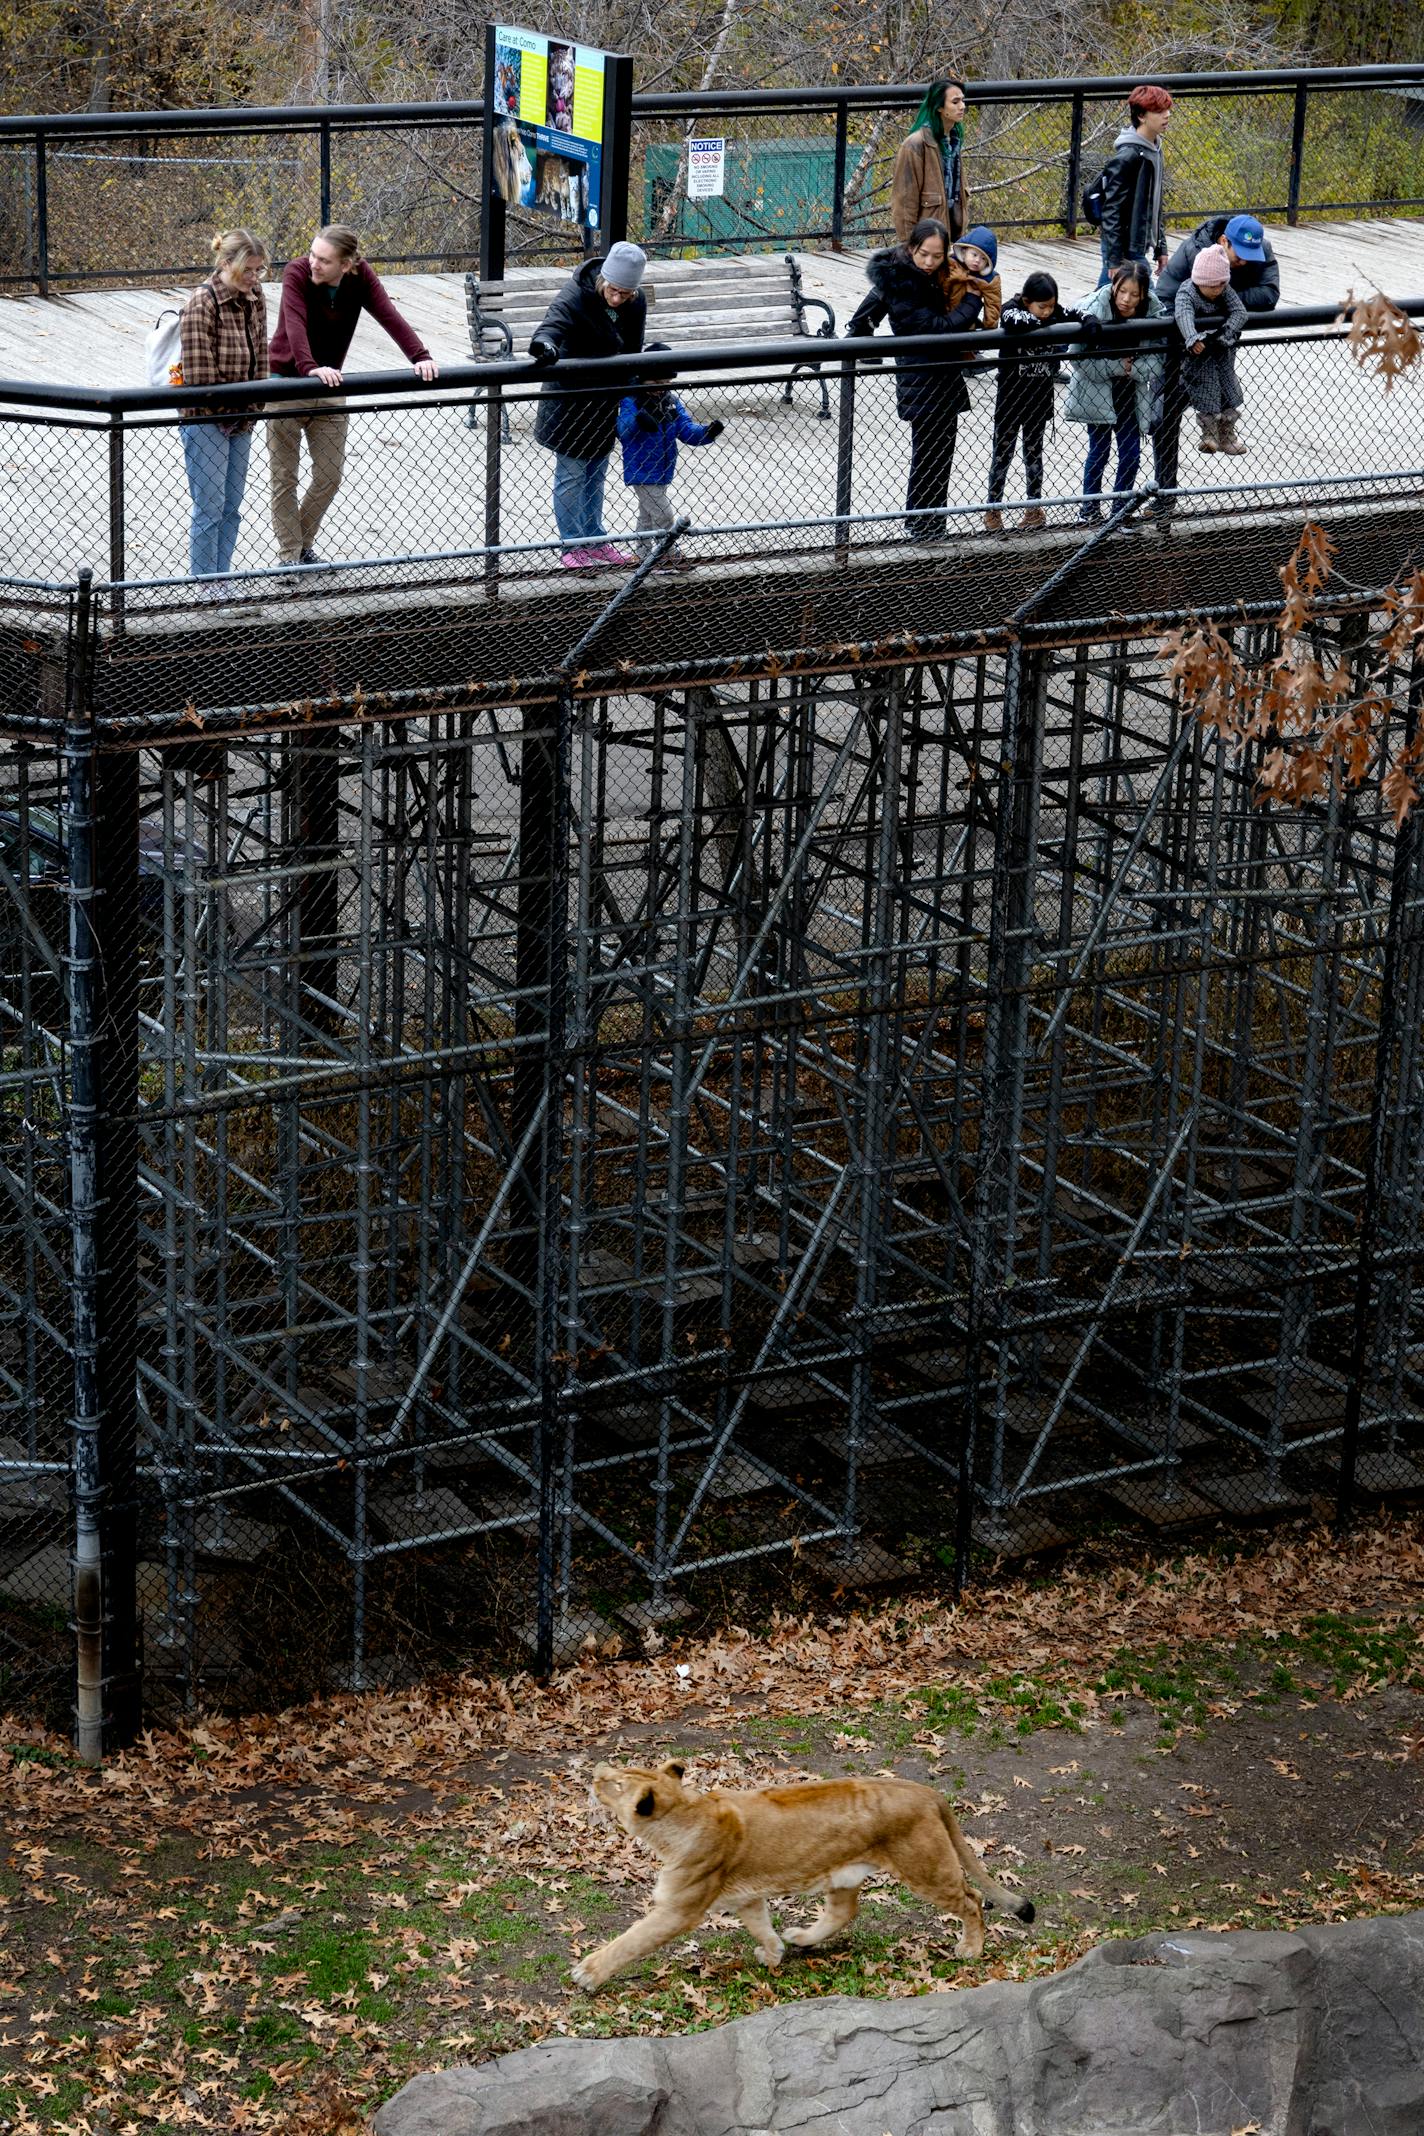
{"x":323,"y":297}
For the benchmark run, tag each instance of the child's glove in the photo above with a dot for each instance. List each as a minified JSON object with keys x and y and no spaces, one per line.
{"x":715,"y":429}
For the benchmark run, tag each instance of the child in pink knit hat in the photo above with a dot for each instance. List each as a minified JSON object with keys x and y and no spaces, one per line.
{"x":1209,"y":317}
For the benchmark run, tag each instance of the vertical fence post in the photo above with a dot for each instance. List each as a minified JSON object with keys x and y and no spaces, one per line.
{"x":101,"y":980}
{"x":1400,"y":885}
{"x":315,"y":765}
{"x":118,"y":566}
{"x":324,"y":152}
{"x":1297,"y":159}
{"x":1010,"y":957}
{"x":540,"y":1017}
{"x":40,"y":262}
{"x":845,"y":454}
{"x":494,"y":475}
{"x":1075,"y":167}
{"x":838,"y":177}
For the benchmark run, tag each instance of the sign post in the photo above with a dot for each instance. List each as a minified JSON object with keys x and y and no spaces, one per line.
{"x":557,"y":139}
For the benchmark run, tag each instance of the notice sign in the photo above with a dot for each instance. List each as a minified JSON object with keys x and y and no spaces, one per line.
{"x":548,"y":133}
{"x":707,"y":168}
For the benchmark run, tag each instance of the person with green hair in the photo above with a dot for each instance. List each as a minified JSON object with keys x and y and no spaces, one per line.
{"x":929,"y":176}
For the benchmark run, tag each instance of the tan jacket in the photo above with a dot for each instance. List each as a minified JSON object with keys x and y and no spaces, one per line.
{"x":917,"y":188}
{"x":958,"y":282}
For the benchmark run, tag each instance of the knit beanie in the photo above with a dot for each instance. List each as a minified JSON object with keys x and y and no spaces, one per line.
{"x":1211,"y":266}
{"x":624,"y":266}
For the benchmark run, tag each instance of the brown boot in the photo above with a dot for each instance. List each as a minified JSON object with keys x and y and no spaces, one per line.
{"x":1034,"y":517}
{"x":993,"y":522}
{"x":1208,"y":439}
{"x":1227,"y":439}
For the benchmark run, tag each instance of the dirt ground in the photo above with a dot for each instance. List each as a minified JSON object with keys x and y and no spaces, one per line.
{"x":271,"y":1924}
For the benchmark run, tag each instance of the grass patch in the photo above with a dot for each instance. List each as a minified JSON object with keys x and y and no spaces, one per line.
{"x":1360,"y":1650}
{"x":1002,"y":1707}
{"x":1330,"y":1653}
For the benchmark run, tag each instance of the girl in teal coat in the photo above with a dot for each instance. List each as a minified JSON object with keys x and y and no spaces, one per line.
{"x":1114,"y":393}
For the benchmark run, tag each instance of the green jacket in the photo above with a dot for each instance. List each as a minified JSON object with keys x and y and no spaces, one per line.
{"x":1089,"y":398}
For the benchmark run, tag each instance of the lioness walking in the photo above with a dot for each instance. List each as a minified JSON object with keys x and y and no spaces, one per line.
{"x":739,"y":1850}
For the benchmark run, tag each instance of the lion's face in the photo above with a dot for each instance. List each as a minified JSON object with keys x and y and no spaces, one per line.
{"x":638,"y":1795}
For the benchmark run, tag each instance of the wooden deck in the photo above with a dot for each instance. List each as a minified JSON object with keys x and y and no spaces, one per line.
{"x":415,"y":480}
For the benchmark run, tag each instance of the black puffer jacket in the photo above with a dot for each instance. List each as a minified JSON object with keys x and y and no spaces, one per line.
{"x":914,"y":302}
{"x":584,"y":424}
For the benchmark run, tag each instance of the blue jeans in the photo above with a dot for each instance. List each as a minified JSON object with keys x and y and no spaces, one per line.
{"x":1129,"y":453}
{"x":217,"y":475}
{"x":578,"y":498}
{"x":1129,"y":442}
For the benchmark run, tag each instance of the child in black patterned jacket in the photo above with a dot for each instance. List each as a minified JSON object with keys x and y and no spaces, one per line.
{"x":1024,"y":403}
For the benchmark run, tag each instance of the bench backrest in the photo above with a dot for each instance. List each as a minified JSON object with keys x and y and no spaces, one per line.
{"x":690,"y":302}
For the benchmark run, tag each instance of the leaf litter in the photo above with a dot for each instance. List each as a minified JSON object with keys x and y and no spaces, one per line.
{"x":268,"y":1923}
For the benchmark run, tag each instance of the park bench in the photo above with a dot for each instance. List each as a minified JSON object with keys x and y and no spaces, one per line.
{"x":691,"y":303}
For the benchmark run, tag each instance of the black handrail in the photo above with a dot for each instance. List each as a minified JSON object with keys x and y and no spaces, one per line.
{"x":1285,"y":323}
{"x":687,"y":102}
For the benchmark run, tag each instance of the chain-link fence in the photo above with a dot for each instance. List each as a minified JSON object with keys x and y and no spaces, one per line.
{"x":803,"y":167}
{"x":543,"y":1103}
{"x":806,"y":446}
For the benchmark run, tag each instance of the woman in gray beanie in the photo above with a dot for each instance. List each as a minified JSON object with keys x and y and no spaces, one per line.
{"x":600,"y":311}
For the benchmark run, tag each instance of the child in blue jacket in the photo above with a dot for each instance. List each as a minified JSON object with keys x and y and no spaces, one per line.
{"x":652,"y":423}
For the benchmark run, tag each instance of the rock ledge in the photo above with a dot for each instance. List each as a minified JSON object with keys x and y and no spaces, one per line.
{"x":1316,"y":2033}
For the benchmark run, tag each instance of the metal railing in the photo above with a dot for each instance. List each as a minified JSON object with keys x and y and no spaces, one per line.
{"x":1032,"y":143}
{"x":456,"y":472}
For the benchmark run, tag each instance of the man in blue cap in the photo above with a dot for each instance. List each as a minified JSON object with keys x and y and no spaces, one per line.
{"x":1257,"y":281}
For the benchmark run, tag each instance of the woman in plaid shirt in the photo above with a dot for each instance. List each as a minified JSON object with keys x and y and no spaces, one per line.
{"x":224,"y":335}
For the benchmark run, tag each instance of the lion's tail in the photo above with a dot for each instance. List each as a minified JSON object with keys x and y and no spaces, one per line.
{"x":977,"y":1874}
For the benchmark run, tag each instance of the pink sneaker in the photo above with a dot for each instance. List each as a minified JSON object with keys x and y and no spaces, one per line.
{"x":607,"y":554}
{"x":581,"y":559}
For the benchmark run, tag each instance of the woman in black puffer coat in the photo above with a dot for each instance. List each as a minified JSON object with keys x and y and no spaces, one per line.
{"x":907,"y":285}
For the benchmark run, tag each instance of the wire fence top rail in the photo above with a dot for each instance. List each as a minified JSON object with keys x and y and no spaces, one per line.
{"x":1324,"y":321}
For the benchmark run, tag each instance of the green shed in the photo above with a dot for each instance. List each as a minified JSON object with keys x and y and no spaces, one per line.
{"x":777,"y":191}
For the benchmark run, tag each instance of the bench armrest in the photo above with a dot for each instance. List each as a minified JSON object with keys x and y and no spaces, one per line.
{"x":799,"y":303}
{"x":482,"y":325}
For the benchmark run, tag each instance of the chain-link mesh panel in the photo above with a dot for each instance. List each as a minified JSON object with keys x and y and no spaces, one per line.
{"x":414,"y":188}
{"x":1361,"y":157}
{"x":779,"y":189}
{"x":803,"y":460}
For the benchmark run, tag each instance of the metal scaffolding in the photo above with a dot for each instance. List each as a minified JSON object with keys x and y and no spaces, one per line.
{"x":494,"y":1162}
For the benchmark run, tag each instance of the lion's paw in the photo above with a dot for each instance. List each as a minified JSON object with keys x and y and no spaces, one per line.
{"x":772,"y":1956}
{"x":798,"y":1938}
{"x":583,"y":1976}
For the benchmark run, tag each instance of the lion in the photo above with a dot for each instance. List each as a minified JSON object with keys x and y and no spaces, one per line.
{"x":737,"y":1850}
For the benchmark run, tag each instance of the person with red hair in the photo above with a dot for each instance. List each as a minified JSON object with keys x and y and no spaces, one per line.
{"x":1134,"y":190}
